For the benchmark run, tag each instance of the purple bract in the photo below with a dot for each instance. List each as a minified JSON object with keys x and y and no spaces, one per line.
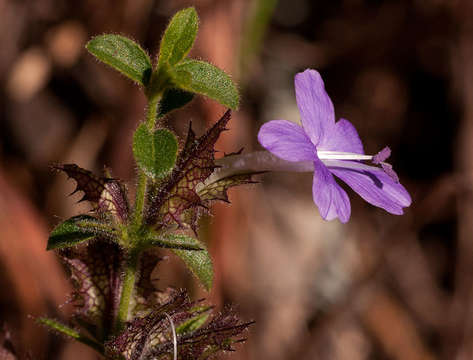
{"x":335,"y":149}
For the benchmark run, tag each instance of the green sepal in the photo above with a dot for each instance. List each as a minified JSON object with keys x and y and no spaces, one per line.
{"x":173,"y":99}
{"x":175,"y":241}
{"x":70,"y":332}
{"x":196,"y":322}
{"x":179,"y":37}
{"x":154,"y":152}
{"x":122,"y":54}
{"x":203,"y":78}
{"x":199,"y":262}
{"x":77,"y":230}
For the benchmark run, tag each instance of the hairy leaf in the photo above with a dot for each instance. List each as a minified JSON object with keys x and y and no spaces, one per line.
{"x":69,"y":332}
{"x":147,"y":295}
{"x":217,"y":190}
{"x":194,"y":164}
{"x":122,"y":54}
{"x":76,"y":230}
{"x":218,"y":335}
{"x":96,"y":272}
{"x":87,"y":182}
{"x":113,"y":200}
{"x":144,"y":332}
{"x":199,"y":262}
{"x":175,"y":241}
{"x":150,"y":337}
{"x":196,"y":322}
{"x":155,"y":152}
{"x":107,"y":195}
{"x":203,"y":78}
{"x":179,"y":36}
{"x":145,"y":286}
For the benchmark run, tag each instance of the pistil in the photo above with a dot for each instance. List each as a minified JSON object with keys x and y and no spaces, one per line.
{"x":340,"y":155}
{"x":378,"y":159}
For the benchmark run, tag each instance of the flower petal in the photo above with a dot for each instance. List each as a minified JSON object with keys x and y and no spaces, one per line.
{"x":315,"y":106}
{"x":373,"y":185}
{"x":342,"y":137}
{"x":329,"y":197}
{"x":286,"y":140}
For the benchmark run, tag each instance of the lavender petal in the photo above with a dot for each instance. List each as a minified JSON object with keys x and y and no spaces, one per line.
{"x":286,"y":140}
{"x":388,"y":169}
{"x":373,"y":185}
{"x":342,"y":137}
{"x":329,"y":197}
{"x":315,"y":106}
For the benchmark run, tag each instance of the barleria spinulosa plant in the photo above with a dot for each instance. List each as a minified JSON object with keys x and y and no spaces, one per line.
{"x":111,"y":252}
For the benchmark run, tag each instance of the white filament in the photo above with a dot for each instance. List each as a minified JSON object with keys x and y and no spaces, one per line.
{"x":340,"y":155}
{"x":174,"y":336}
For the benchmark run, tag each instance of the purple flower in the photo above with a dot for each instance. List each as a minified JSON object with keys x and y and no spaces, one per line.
{"x":335,"y":149}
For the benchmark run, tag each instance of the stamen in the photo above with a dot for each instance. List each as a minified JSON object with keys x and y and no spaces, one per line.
{"x":388,"y":169}
{"x":379,"y":159}
{"x":174,"y":336}
{"x":382,"y":155}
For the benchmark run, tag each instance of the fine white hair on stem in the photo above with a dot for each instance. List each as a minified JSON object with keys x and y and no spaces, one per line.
{"x":174,"y":336}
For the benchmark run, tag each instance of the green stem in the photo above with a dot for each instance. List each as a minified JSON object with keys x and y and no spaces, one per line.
{"x":140,"y":198}
{"x":151,"y":115}
{"x":127,"y":290}
{"x":152,"y":111}
{"x":132,"y":261}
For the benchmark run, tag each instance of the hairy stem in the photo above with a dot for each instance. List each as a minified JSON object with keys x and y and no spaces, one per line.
{"x":140,"y":198}
{"x":151,"y":115}
{"x":127,"y":290}
{"x":152,"y":111}
{"x":132,"y":261}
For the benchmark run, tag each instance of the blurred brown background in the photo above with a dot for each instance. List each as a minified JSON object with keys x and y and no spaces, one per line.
{"x":380,"y":287}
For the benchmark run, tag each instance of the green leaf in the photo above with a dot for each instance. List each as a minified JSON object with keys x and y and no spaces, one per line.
{"x":179,"y":37}
{"x":76,"y":230}
{"x":173,"y":99}
{"x":203,"y":78}
{"x":70,"y":332}
{"x":199,"y":262}
{"x":155,"y":152}
{"x":122,"y":54}
{"x":194,"y":323}
{"x":178,"y":241}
